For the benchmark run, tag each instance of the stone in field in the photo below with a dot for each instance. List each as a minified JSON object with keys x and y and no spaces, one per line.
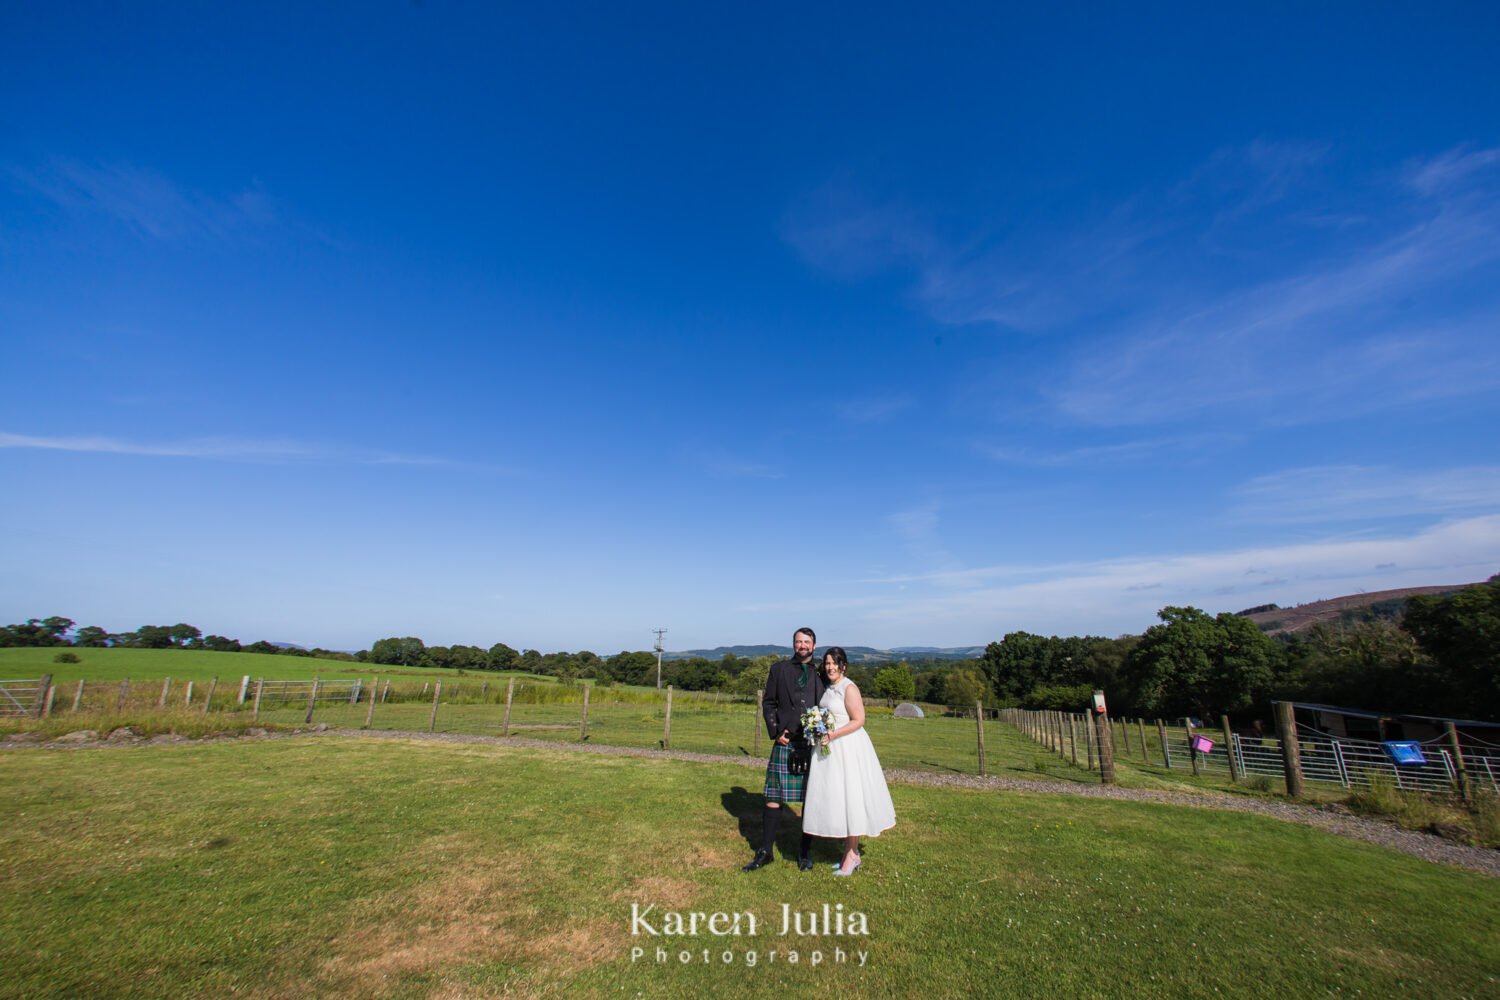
{"x":78,"y":736}
{"x":124,"y":733}
{"x":906,"y":710}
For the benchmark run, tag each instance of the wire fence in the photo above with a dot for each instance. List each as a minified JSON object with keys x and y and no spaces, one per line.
{"x":711,"y":722}
{"x":1223,"y":755}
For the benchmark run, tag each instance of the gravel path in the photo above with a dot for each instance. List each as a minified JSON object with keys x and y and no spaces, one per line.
{"x":1332,"y":819}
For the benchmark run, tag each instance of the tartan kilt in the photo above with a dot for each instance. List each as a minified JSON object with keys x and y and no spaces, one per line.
{"x":781,"y":784}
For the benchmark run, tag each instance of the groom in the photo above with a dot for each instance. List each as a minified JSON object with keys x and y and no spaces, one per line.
{"x":792,"y":687}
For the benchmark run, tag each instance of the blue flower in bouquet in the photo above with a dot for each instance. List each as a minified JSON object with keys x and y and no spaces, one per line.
{"x":816,"y":724}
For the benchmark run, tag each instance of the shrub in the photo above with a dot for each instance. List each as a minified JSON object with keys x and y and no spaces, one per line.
{"x":66,"y":658}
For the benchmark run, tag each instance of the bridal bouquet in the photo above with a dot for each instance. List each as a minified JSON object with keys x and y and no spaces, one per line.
{"x":816,"y":724}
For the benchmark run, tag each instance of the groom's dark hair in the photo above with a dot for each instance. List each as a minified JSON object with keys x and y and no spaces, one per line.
{"x":810,"y":634}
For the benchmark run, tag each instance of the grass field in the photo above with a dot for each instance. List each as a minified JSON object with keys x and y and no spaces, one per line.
{"x":188,"y":664}
{"x":342,"y":867}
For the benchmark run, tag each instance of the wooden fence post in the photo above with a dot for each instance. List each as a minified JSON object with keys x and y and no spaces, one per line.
{"x":1291,"y":751}
{"x":1106,"y":748}
{"x":1461,"y":775}
{"x":188,"y":698}
{"x":510,"y":693}
{"x":1234,"y":765}
{"x":1166,"y":754}
{"x":38,"y":701}
{"x":166,"y":686}
{"x":979,"y":721}
{"x":370,"y":708}
{"x":244,"y":689}
{"x":47,"y":705}
{"x":583,"y":719}
{"x":666,"y":732}
{"x":255,"y":712}
{"x":759,"y":719}
{"x":312,"y":700}
{"x":208,"y":699}
{"x":1141,"y":725}
{"x":484,"y":689}
{"x":78,"y":697}
{"x":1090,"y":738}
{"x":1192,"y":750}
{"x":124,"y":690}
{"x":437,"y":692}
{"x":1073,"y":736}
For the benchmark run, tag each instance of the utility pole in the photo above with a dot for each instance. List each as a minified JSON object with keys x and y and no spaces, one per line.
{"x":659,"y":633}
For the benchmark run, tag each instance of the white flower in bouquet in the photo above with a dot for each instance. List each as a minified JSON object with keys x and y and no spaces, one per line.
{"x":816,"y":724}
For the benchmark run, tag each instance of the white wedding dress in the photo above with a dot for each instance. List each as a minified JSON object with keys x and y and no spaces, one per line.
{"x":846,"y":792}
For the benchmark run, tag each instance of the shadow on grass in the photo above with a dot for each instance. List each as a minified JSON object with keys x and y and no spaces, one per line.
{"x":748,"y":809}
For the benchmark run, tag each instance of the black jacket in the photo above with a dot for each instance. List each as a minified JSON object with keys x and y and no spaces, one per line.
{"x":784,"y":702}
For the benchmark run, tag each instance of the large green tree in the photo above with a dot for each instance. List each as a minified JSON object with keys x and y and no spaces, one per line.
{"x":896,"y":683}
{"x":37,"y":632}
{"x":502,"y":657}
{"x":1195,"y":664}
{"x":1461,"y":632}
{"x":406,"y":651}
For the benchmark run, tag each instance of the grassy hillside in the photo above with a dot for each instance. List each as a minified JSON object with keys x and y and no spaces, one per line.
{"x":190,"y":664}
{"x":345,"y":868}
{"x":1304,"y":616}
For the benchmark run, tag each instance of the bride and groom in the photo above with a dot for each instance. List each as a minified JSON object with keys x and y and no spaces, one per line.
{"x":843,"y":789}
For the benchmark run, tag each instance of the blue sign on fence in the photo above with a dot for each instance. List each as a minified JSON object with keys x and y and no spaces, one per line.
{"x":1405,"y":753}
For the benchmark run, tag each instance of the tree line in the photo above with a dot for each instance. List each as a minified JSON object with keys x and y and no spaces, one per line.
{"x":1434,"y":655}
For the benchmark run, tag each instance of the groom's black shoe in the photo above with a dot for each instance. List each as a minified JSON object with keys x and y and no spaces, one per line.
{"x":761,"y":859}
{"x":804,"y":862}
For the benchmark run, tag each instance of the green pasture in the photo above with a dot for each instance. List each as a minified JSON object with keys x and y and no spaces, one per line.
{"x":338,"y":866}
{"x":188,"y":664}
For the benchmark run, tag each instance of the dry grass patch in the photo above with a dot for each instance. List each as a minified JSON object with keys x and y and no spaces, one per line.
{"x":479,"y":912}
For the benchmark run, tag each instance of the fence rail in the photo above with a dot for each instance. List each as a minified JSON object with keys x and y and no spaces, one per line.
{"x":298,"y":692}
{"x":1324,"y":758}
{"x":22,"y":698}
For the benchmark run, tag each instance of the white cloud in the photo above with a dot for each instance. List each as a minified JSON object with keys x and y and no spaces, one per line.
{"x":1256,"y":287}
{"x":223,"y":449}
{"x":1122,"y":595}
{"x":1353,"y":493}
{"x":145,"y":201}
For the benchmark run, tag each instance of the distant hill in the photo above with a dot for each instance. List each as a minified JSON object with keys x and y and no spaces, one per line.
{"x":857,"y":654}
{"x":1377,"y":604}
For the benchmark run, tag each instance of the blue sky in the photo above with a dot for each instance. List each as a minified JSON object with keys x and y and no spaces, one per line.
{"x":329,"y":322}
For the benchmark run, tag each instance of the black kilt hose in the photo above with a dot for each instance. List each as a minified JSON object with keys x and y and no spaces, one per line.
{"x":782,"y":705}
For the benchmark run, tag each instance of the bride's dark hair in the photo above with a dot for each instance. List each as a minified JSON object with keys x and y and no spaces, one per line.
{"x":839,"y":657}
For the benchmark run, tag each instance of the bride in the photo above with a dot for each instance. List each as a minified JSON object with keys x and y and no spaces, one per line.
{"x":846,"y":792}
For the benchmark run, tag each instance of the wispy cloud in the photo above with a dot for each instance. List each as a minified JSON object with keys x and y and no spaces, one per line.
{"x":1354,"y":493}
{"x":917,"y":529}
{"x":221,"y":449}
{"x":1120,"y":595}
{"x":1264,"y":285}
{"x":872,"y":410}
{"x":1121,"y":452}
{"x":724,"y":466}
{"x":146,"y":202}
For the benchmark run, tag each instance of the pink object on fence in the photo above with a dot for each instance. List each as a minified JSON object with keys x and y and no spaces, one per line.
{"x":1203,"y":744}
